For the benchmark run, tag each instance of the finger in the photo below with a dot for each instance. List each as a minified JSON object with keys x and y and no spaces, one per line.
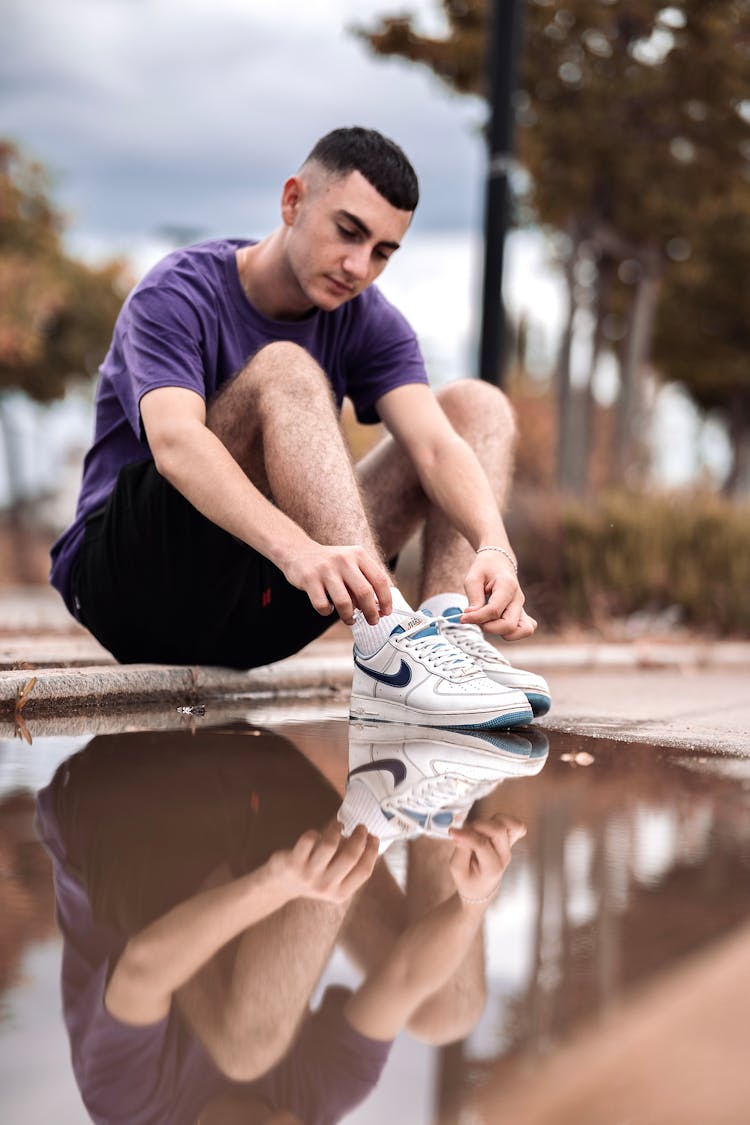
{"x":319,"y":599}
{"x":504,"y":605}
{"x":362,"y":595}
{"x":324,"y":848}
{"x":526,"y":628}
{"x":380,"y":581}
{"x":484,"y":848}
{"x":341,"y":598}
{"x":304,"y":846}
{"x":501,"y":823}
{"x":347,"y":855}
{"x":474,"y":586}
{"x":362,"y":870}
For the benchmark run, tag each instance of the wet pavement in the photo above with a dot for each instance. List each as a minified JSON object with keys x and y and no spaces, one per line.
{"x":611,"y":983}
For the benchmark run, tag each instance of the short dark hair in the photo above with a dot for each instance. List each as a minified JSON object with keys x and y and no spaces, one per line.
{"x":377,"y":158}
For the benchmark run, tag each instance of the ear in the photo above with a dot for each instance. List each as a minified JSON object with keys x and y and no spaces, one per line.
{"x":291,"y":199}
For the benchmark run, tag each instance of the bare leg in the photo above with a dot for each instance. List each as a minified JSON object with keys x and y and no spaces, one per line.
{"x":483,"y":416}
{"x":380,"y":915}
{"x":279,"y":421}
{"x":247,"y":1012}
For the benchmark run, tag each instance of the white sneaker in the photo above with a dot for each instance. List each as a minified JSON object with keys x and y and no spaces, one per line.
{"x":425,"y":783}
{"x":419,"y":676}
{"x":471,"y":641}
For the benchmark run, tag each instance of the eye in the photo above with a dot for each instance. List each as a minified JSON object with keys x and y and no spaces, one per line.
{"x":346,"y":232}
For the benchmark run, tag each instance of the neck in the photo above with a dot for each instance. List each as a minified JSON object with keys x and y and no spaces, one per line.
{"x":268,"y":282}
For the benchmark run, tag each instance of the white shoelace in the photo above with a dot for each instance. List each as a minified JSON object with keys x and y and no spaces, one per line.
{"x":436,"y":792}
{"x":437,"y":651}
{"x":471,"y":640}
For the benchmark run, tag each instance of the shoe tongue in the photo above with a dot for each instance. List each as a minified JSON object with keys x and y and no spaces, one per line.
{"x":453,"y":613}
{"x":430,"y":630}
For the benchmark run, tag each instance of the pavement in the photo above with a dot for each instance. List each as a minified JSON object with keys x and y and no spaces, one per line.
{"x":676,"y":692}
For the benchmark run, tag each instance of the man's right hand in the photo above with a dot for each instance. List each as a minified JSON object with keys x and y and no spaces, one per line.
{"x":325,"y":865}
{"x":344,"y":578}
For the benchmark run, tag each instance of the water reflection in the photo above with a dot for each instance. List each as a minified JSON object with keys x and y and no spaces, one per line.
{"x":618,"y":948}
{"x":202,"y":882}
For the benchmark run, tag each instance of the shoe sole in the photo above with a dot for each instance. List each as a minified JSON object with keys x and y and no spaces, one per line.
{"x":385,"y":711}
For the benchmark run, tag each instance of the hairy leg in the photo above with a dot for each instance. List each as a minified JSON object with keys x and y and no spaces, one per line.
{"x":482,"y":415}
{"x":279,"y":421}
{"x":380,"y":915}
{"x":246,"y":1004}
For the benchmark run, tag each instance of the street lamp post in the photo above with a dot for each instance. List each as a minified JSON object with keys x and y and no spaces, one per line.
{"x":505,"y":24}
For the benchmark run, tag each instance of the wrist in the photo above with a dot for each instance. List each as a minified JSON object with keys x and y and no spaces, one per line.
{"x":505,"y":552}
{"x":478,"y":900}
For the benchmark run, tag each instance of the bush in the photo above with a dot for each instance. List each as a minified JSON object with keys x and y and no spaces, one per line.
{"x":630,"y":552}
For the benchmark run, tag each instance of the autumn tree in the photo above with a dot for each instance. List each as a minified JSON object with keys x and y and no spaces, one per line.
{"x":56,"y":313}
{"x":632,"y":120}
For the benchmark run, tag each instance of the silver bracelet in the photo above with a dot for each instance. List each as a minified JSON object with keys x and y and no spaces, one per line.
{"x":502,"y":551}
{"x":479,"y":901}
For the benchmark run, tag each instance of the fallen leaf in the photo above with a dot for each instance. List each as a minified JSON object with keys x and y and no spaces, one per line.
{"x":23,"y":694}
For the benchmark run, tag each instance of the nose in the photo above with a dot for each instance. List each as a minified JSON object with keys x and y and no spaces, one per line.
{"x":356,"y":264}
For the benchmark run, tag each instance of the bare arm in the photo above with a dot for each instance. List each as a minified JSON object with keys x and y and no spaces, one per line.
{"x":196,"y":462}
{"x":449,"y":472}
{"x":430,"y":951}
{"x":157,"y":961}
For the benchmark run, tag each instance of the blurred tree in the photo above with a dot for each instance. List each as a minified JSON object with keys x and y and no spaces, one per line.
{"x":703,"y":326}
{"x":56,"y":314}
{"x":633,"y":122}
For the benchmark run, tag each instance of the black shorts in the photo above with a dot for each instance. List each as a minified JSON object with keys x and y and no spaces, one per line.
{"x":157,"y":582}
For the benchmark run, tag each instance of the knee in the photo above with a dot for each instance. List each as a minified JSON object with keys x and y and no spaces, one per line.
{"x":472,"y":402}
{"x":284,"y":369}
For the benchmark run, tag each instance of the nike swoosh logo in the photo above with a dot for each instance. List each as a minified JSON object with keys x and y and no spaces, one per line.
{"x":393,"y":765}
{"x":393,"y":679}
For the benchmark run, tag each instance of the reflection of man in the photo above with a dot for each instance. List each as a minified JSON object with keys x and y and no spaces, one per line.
{"x":192,"y":939}
{"x":220,"y":519}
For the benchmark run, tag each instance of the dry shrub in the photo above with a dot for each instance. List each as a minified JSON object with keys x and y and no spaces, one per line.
{"x":629,"y":553}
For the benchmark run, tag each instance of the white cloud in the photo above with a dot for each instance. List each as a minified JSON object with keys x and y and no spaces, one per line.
{"x":193,"y":111}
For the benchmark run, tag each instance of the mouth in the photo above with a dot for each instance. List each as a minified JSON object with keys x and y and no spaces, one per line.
{"x":340,"y":288}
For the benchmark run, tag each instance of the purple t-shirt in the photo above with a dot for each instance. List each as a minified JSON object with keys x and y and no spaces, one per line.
{"x":189,"y":324}
{"x":162,"y":1074}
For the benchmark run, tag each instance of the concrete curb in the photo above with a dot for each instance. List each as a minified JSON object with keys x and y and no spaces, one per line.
{"x":97,"y":687}
{"x":322,"y":668}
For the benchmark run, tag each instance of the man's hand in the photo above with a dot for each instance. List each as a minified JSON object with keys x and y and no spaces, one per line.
{"x":346,"y":578}
{"x":482,"y":854}
{"x":496,"y":599}
{"x":325,"y":865}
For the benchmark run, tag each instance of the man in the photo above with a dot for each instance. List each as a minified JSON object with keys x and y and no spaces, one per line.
{"x":220,"y":519}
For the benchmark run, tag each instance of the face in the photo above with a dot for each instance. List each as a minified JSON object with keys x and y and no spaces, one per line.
{"x":340,"y":234}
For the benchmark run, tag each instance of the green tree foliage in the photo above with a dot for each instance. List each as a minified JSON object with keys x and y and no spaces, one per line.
{"x":633,"y":125}
{"x":56,"y":314}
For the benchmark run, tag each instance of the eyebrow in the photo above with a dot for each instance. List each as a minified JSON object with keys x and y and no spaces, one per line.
{"x":365,"y":230}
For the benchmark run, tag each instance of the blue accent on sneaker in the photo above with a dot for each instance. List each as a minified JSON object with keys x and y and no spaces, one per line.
{"x":393,"y":679}
{"x":428,"y":631}
{"x":515,"y":718}
{"x":540,"y":704}
{"x":443,"y":819}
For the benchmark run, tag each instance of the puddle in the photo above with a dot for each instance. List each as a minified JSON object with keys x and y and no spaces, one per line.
{"x":621,"y":924}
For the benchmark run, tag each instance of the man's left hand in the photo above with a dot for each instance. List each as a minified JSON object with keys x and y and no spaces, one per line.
{"x":496,"y":599}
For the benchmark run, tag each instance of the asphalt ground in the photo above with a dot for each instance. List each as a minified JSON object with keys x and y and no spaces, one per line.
{"x":54,"y":678}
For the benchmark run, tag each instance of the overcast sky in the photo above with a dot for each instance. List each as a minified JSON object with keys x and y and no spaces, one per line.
{"x":190,"y":113}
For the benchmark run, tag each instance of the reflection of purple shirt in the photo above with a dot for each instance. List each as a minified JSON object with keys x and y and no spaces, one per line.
{"x":189,"y":324}
{"x":162,"y":1074}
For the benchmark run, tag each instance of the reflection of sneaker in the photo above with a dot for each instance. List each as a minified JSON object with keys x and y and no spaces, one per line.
{"x":418,"y":676}
{"x":426,"y":782}
{"x":471,"y":640}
